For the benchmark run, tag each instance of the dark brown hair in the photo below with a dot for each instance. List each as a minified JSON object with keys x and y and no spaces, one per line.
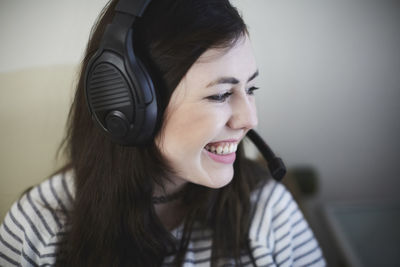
{"x":113,"y":221}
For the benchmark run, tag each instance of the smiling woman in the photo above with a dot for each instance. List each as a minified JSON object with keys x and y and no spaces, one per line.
{"x":178,"y":93}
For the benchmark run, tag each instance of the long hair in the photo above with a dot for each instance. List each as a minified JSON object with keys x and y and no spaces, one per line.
{"x":113,"y":221}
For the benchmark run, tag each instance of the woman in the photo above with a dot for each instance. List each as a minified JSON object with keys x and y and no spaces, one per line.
{"x":187,"y":196}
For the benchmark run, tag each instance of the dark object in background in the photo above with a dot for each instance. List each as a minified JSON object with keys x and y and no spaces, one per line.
{"x":305,"y":179}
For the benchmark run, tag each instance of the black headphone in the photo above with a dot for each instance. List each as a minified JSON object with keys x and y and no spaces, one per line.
{"x":120,"y":91}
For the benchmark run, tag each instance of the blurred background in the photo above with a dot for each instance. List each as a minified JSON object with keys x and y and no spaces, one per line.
{"x":329,"y":105}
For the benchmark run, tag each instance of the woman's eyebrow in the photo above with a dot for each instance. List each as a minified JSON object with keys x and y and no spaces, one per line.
{"x":231,"y":80}
{"x":252,"y":77}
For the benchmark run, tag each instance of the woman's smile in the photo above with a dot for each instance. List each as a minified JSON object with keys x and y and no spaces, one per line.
{"x":222,"y":151}
{"x":227,"y":157}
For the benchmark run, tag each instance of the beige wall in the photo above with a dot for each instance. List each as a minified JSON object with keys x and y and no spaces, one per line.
{"x":42,"y":42}
{"x":33,"y":108}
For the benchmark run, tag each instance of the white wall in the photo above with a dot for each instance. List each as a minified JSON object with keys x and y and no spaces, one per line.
{"x":329,"y":76}
{"x":44,"y":32}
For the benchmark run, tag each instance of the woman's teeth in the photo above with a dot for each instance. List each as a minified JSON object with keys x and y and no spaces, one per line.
{"x":222,"y":149}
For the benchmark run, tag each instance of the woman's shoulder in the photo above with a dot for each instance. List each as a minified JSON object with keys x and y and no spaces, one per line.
{"x":279,"y":231}
{"x":264,"y":201}
{"x":34,"y":224}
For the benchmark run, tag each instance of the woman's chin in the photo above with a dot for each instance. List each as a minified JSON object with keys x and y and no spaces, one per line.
{"x":219,"y":179}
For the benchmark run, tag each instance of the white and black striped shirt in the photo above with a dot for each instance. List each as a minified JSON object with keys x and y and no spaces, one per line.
{"x":279,"y":235}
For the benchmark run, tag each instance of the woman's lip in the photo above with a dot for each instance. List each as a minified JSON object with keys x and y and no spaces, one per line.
{"x":225,"y":141}
{"x":228,"y":140}
{"x":226,"y":158}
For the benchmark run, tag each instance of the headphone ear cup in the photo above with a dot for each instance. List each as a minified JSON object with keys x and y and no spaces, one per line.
{"x":119,"y":90}
{"x":121,"y":97}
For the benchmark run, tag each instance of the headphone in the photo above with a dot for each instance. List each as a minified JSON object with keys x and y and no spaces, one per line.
{"x":120,"y":92}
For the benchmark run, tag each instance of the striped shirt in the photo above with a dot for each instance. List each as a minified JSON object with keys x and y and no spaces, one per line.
{"x":279,"y":235}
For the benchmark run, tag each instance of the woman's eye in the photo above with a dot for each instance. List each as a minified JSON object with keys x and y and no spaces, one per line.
{"x":251,"y":90}
{"x":219,"y":97}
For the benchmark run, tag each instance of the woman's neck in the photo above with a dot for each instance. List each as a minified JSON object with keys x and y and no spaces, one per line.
{"x":168,"y":203}
{"x":170,"y":214}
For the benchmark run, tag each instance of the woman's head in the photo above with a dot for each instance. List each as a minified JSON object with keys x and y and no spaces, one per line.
{"x":169,"y":39}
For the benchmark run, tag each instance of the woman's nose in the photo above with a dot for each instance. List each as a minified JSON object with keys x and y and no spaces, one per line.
{"x":244,"y":113}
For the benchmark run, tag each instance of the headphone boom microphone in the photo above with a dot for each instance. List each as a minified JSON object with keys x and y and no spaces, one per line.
{"x":275,"y":164}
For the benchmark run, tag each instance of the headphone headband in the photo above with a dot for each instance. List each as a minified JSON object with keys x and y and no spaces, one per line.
{"x":134,"y":8}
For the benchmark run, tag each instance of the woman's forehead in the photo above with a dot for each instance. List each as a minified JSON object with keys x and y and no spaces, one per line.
{"x":237,"y":61}
{"x":216,"y":53}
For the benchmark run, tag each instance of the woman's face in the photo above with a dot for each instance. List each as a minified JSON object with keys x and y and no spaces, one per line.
{"x":209,"y":113}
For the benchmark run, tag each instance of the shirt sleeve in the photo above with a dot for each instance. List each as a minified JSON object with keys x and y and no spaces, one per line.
{"x":21,"y":237}
{"x":11,"y":240}
{"x":279,"y":227}
{"x":31,"y":230}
